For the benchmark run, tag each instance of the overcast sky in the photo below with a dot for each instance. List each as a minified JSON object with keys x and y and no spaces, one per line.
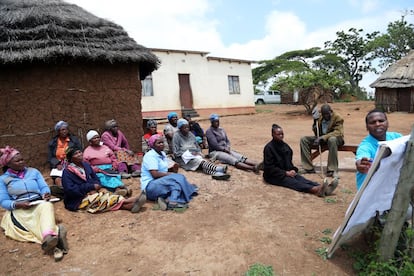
{"x":246,"y":29}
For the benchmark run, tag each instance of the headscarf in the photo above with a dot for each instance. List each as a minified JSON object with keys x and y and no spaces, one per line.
{"x":110,"y":124}
{"x":152,"y":139}
{"x":70,"y":152}
{"x":91,"y":133}
{"x":181,"y":122}
{"x":7,"y":154}
{"x":151,"y":123}
{"x":172,"y":114}
{"x":214,"y":117}
{"x":60,"y":124}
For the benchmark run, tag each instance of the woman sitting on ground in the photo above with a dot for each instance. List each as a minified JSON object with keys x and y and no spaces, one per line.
{"x":56,"y":154}
{"x":84,"y":191}
{"x":198,"y":132}
{"x":172,"y":190}
{"x":188,"y":153}
{"x":20,"y":188}
{"x":117,"y":142}
{"x":219,"y":148}
{"x":279,"y":169}
{"x":105,"y":165}
{"x":151,"y":130}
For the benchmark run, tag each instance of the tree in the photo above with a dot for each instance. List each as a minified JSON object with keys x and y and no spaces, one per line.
{"x":391,"y":46}
{"x":352,"y":47}
{"x":313,"y":72}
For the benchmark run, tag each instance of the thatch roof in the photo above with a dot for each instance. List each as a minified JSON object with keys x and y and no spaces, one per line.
{"x":398,"y":75}
{"x":53,"y":31}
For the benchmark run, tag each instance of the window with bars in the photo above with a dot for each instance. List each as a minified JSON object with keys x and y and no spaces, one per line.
{"x":146,"y":84}
{"x":234,"y":84}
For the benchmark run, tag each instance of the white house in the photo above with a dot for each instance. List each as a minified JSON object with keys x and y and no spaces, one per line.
{"x":193,"y":82}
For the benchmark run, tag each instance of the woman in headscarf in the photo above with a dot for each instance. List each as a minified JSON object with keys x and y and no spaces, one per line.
{"x":219,"y":148}
{"x":151,"y":130}
{"x":279,"y":169}
{"x":188,"y":153}
{"x":104,"y":163}
{"x":25,"y":195}
{"x":56,"y":154}
{"x":83,"y":190}
{"x":117,"y":142}
{"x":171,"y":190}
{"x":170,"y":129}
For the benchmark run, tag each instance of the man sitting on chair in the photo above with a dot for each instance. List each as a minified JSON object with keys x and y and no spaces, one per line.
{"x":329,"y":131}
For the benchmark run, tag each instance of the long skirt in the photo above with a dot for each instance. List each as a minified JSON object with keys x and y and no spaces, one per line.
{"x":30,"y":224}
{"x":174,"y":186}
{"x":101,"y":202}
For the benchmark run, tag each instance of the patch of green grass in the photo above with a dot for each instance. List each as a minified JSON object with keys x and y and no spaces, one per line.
{"x":346,"y":191}
{"x":326,"y":240}
{"x":330,"y":200}
{"x":260,"y":270}
{"x":322,"y":252}
{"x":327,"y":231}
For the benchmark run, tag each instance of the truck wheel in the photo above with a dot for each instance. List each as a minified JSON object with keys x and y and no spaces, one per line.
{"x":260,"y":101}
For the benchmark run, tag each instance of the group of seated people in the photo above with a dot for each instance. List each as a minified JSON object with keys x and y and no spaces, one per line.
{"x":91,"y":179}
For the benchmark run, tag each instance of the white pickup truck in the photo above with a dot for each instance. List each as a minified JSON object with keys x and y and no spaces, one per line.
{"x":267,"y":97}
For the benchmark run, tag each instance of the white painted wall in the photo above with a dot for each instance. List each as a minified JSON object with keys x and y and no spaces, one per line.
{"x":208,"y":80}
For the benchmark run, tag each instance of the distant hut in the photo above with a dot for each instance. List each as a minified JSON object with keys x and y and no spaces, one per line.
{"x":60,"y":62}
{"x":394,"y":89}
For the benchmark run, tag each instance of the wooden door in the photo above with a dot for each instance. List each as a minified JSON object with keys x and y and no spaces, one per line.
{"x":404,"y":99}
{"x":186,"y":95}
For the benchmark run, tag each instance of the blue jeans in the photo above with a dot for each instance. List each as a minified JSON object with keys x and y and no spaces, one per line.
{"x":174,"y":186}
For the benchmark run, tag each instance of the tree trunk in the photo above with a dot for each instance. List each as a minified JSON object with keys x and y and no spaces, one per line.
{"x":400,"y":203}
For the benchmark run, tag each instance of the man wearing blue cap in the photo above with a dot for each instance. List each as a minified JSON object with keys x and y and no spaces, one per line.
{"x":220,"y":149}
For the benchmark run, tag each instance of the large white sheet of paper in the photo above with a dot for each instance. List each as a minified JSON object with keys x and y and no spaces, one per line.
{"x":375,"y":194}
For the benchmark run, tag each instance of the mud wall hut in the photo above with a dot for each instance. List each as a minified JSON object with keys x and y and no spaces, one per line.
{"x":394,"y":89}
{"x":60,"y":62}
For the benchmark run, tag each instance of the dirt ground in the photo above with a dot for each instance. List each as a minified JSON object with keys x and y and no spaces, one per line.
{"x":228,"y":227}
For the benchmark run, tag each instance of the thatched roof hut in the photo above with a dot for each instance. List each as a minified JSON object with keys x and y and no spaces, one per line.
{"x":60,"y":62}
{"x":394,"y":89}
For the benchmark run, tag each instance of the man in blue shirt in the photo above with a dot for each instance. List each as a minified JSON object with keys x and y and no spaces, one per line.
{"x":377,"y":125}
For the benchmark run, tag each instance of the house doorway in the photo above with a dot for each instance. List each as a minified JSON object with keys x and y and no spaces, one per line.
{"x":404,"y":100}
{"x":186,"y":95}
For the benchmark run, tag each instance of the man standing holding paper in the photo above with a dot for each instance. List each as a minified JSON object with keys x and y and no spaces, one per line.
{"x":377,"y":125}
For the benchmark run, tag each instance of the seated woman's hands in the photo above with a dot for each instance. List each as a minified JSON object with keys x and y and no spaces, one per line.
{"x":46,"y":196}
{"x":291,"y":173}
{"x":22,"y":205}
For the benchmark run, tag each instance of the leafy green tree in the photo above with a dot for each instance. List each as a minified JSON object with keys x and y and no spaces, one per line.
{"x":352,"y":47}
{"x":314,"y":72}
{"x":391,"y":46}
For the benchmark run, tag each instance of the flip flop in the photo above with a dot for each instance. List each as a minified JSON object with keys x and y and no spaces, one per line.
{"x":49,"y":243}
{"x":324,"y":187}
{"x":332,"y":186}
{"x":139,"y":202}
{"x":220,"y":176}
{"x":57,"y":254}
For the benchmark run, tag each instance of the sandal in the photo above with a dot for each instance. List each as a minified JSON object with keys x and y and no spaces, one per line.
{"x":173,"y":206}
{"x":57,"y":254}
{"x":49,"y":242}
{"x":331,"y":187}
{"x":139,"y":202}
{"x":162,"y":203}
{"x":62,"y":240}
{"x":322,"y":191}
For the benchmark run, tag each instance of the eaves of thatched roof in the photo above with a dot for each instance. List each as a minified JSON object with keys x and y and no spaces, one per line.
{"x":53,"y":31}
{"x":398,"y":75}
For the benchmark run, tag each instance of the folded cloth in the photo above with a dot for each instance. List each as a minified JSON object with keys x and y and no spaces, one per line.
{"x":187,"y":156}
